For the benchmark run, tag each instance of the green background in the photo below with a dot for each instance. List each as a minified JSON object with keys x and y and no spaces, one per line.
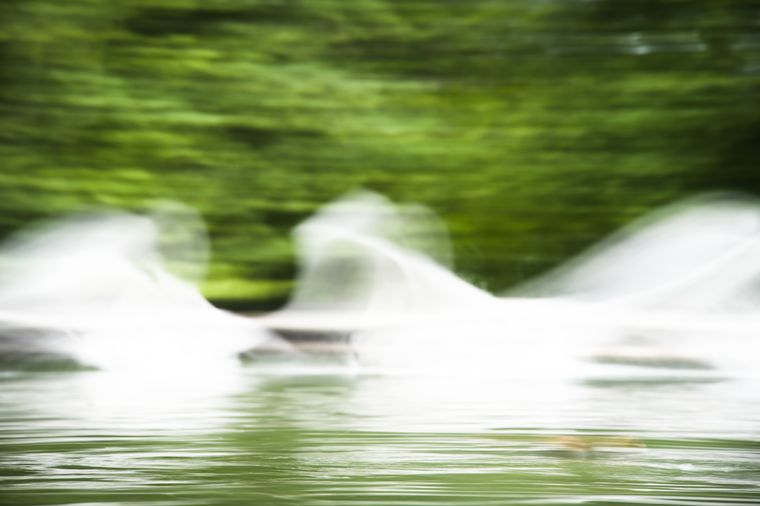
{"x":533,"y":127}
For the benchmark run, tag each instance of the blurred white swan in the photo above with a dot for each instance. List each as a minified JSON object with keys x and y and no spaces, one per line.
{"x":678,"y":289}
{"x":702,"y":254}
{"x":96,"y":288}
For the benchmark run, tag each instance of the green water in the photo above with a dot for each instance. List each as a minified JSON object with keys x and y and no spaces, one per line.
{"x":318,"y":438}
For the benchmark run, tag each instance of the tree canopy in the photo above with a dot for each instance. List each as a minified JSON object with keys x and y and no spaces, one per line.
{"x":533,"y":127}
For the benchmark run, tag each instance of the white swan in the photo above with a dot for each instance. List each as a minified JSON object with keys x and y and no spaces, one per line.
{"x":677,"y":290}
{"x":95,"y":288}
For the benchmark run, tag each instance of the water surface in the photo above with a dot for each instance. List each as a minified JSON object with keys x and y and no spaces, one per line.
{"x":319,"y":437}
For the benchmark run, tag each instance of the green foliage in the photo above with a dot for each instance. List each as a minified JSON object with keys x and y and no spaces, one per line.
{"x":533,"y":127}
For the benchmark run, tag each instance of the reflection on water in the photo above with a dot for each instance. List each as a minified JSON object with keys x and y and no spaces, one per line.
{"x":76,"y":438}
{"x":109,"y":401}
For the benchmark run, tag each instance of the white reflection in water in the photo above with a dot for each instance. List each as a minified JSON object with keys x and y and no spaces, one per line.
{"x":437,"y":404}
{"x":463,"y":404}
{"x":121,"y":402}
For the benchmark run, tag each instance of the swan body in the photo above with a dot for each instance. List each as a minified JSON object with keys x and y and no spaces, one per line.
{"x":675,"y":291}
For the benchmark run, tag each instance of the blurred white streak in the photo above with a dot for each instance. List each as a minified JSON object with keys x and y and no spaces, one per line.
{"x":362,"y":253}
{"x":702,"y":254}
{"x":95,"y":288}
{"x":675,"y":292}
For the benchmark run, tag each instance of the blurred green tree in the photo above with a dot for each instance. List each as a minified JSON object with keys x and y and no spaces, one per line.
{"x":533,"y":127}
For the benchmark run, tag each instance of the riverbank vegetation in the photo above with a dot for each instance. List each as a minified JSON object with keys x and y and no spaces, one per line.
{"x":532,"y":127}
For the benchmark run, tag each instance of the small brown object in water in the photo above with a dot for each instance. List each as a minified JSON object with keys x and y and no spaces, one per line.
{"x":585,"y":445}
